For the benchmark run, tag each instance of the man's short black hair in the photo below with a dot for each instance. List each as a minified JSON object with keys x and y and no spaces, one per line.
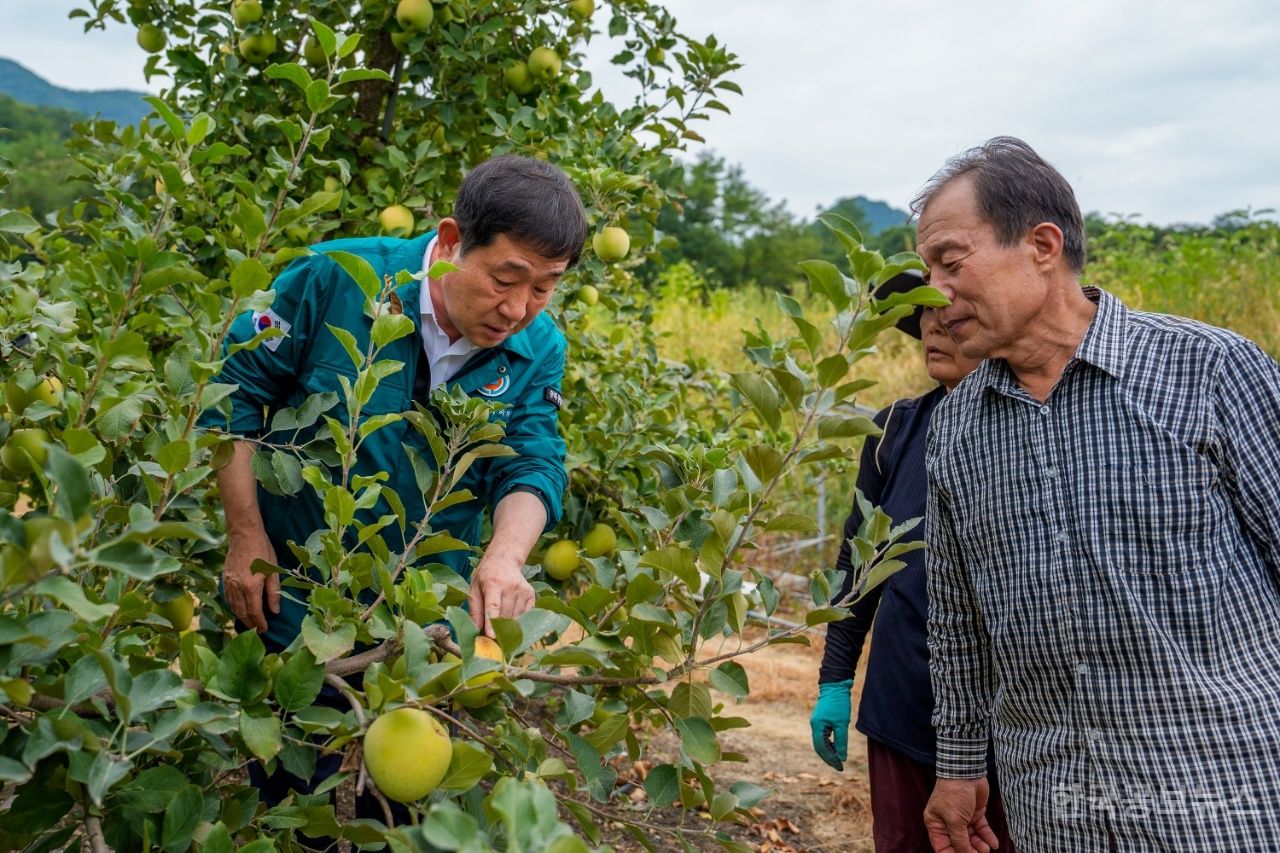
{"x":1016,"y":189}
{"x":531,"y":201}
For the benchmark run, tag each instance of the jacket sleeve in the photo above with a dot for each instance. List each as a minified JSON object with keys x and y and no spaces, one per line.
{"x":846,"y":637}
{"x":533,"y":432}
{"x":1247,"y":399}
{"x":265,"y":375}
{"x":959,"y":659}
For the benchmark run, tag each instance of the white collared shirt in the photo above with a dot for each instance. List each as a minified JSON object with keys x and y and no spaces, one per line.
{"x":444,"y":358}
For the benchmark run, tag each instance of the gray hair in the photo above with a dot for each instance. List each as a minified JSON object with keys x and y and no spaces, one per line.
{"x":1016,"y":189}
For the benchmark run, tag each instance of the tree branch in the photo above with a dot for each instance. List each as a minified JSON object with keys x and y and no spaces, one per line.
{"x":93,"y":831}
{"x":343,"y":667}
{"x":350,"y":695}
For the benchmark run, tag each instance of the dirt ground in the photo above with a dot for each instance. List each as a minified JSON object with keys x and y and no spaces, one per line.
{"x":813,"y":808}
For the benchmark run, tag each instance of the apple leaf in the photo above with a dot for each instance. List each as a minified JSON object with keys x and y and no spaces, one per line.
{"x":467,"y":766}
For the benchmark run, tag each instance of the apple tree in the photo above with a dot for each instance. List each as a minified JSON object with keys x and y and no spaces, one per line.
{"x":131,"y":707}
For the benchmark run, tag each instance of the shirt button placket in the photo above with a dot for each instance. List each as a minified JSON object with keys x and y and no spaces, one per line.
{"x":1056,"y":502}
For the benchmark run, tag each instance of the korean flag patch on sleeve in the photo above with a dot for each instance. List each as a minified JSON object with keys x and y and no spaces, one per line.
{"x":263,"y":320}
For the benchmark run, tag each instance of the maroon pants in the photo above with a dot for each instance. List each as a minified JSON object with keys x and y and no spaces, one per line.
{"x":900,"y":789}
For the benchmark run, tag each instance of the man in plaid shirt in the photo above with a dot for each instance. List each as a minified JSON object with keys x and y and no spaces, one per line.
{"x":1104,"y":542}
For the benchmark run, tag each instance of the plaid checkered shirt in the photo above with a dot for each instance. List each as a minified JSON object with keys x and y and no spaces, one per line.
{"x":1104,"y":586}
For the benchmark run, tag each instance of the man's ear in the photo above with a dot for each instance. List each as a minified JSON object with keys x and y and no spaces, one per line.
{"x":1046,"y":244}
{"x":449,"y":237}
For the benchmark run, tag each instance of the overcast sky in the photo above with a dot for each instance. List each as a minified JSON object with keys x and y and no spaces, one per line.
{"x":1169,"y":110}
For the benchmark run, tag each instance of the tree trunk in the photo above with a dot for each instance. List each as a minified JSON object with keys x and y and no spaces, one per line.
{"x":371,"y":95}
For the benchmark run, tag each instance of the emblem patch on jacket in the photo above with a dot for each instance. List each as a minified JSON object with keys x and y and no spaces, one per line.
{"x":496,"y":388}
{"x":553,"y":397}
{"x":263,"y":320}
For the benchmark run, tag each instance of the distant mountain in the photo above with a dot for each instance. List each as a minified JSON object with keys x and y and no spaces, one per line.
{"x":120,"y":105}
{"x":881,"y":215}
{"x":870,"y":215}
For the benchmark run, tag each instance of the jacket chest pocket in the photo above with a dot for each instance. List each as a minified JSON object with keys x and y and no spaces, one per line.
{"x":385,"y":396}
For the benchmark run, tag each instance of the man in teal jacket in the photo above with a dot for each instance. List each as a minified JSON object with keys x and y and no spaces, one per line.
{"x":518,"y":225}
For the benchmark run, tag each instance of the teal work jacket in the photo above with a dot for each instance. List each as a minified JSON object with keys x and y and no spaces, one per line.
{"x":312,"y":293}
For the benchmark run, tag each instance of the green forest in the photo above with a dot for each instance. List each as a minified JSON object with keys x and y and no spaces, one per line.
{"x":721,"y":231}
{"x":34,"y":140}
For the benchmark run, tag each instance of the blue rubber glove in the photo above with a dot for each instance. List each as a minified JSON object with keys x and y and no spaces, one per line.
{"x":830,"y":722}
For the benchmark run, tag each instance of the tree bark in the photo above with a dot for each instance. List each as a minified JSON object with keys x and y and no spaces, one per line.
{"x":380,"y":55}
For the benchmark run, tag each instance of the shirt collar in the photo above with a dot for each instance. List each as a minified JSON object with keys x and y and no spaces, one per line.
{"x":1102,"y":345}
{"x":430,"y":325}
{"x":427,"y":308}
{"x":994,"y":373}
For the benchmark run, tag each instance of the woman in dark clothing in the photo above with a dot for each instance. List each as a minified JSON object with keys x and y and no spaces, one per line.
{"x":897,"y":699}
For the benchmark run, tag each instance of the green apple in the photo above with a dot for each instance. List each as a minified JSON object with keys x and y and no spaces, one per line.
{"x":611,"y":244}
{"x":47,"y":390}
{"x":544,"y":64}
{"x":600,"y":541}
{"x":561,"y":559}
{"x":396,"y":220}
{"x":518,"y":78}
{"x":450,"y":680}
{"x":373,"y":176}
{"x":256,"y":49}
{"x":246,"y":12}
{"x":588,"y":295}
{"x":414,"y":15}
{"x":407,"y":753}
{"x":582,"y":9}
{"x":656,"y":55}
{"x":313,"y":53}
{"x":178,"y":611}
{"x":441,"y":141}
{"x":479,"y":688}
{"x":40,"y":532}
{"x":26,"y":451}
{"x":151,"y":38}
{"x":401,"y":40}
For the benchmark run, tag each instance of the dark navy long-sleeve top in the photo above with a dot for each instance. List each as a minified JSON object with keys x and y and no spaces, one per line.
{"x":897,"y":697}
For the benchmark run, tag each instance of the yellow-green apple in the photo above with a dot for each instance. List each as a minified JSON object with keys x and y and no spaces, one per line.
{"x":611,"y":244}
{"x":407,"y":753}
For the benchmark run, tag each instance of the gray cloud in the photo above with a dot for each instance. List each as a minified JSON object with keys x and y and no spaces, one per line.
{"x":1170,"y":110}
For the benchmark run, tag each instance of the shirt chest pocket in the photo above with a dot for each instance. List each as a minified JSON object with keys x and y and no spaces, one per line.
{"x":1158,"y":518}
{"x":389,"y":395}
